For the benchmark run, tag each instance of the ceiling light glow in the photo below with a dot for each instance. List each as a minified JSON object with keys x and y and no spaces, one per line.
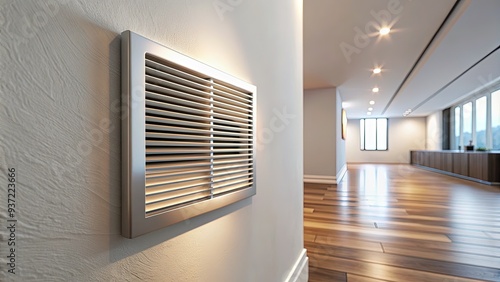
{"x":375,"y":89}
{"x":370,"y":109}
{"x":376,"y":70}
{"x":372,"y":102}
{"x":384,"y":31}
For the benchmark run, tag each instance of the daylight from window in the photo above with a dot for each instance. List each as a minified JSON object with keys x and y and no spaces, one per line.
{"x":467,"y":130}
{"x":373,"y":134}
{"x":481,"y":115}
{"x":495,"y":119}
{"x":457,"y":128}
{"x":477,"y":119}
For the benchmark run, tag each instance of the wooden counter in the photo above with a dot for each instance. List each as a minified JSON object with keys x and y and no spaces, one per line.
{"x":482,"y":167}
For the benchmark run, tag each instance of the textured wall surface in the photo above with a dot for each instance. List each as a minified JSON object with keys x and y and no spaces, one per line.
{"x":405,"y":134}
{"x":320,"y":132}
{"x":60,"y":129}
{"x":434,"y":131}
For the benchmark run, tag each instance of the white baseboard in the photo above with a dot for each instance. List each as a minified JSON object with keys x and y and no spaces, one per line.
{"x":300,"y":270}
{"x":324,"y":179}
{"x":341,"y":173}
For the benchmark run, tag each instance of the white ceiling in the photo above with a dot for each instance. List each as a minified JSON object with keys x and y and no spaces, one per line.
{"x":434,"y":56}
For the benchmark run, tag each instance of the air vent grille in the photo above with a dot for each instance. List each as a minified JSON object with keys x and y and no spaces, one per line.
{"x":198,"y":131}
{"x":198,"y":137}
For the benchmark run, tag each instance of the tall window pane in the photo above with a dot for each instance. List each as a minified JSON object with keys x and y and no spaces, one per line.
{"x":481,"y":115}
{"x":362,"y":133}
{"x":467,"y":133}
{"x":382,"y":134}
{"x":457,"y":128}
{"x":373,"y":134}
{"x":370,"y":134}
{"x":495,"y":119}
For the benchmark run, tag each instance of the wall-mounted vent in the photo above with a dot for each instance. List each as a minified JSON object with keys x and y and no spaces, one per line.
{"x":188,"y":137}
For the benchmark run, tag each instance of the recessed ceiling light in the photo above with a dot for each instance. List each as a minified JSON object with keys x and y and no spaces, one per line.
{"x":375,"y":89}
{"x":384,"y":31}
{"x":369,"y":113}
{"x":377,"y":70}
{"x":370,"y":109}
{"x":372,"y":102}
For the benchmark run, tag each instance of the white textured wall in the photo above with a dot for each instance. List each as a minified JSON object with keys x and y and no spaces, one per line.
{"x":60,"y":101}
{"x":405,"y":134}
{"x":434,"y":131}
{"x":320,"y":132}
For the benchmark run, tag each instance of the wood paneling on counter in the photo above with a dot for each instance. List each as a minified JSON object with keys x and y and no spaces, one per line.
{"x":483,"y":167}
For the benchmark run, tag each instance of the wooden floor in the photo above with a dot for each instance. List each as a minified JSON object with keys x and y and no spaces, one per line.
{"x":401,"y":223}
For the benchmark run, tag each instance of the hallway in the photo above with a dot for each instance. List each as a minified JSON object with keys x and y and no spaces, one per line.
{"x":401,"y":223}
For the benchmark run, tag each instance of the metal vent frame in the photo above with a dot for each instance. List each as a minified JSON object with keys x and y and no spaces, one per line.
{"x":135,"y":220}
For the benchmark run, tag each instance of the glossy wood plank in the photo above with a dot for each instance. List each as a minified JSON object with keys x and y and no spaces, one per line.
{"x":317,"y":274}
{"x":352,"y":243}
{"x":402,"y":223}
{"x":475,"y":241}
{"x":308,"y":210}
{"x":464,"y":258}
{"x":379,"y":232}
{"x":408,"y":262}
{"x":395,"y":225}
{"x":356,"y":278}
{"x":309,"y":237}
{"x":383,"y":272}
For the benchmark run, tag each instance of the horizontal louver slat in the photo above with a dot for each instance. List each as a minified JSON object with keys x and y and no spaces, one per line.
{"x":164,"y":128}
{"x":176,"y":202}
{"x":231,"y":188}
{"x":164,"y":189}
{"x":169,"y":158}
{"x":155,"y":76}
{"x":172,"y":151}
{"x":152,"y":63}
{"x":153,"y":143}
{"x":162,"y":167}
{"x":173,"y":136}
{"x":190,"y":117}
{"x":151,"y":120}
{"x":190,"y":110}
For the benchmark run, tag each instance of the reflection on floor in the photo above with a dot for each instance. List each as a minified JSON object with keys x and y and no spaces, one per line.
{"x":401,"y":223}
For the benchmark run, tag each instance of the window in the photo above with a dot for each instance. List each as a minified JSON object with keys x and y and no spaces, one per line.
{"x":373,"y":134}
{"x":477,"y":119}
{"x":467,"y":131}
{"x":457,"y":128}
{"x":495,"y":119}
{"x":481,"y":115}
